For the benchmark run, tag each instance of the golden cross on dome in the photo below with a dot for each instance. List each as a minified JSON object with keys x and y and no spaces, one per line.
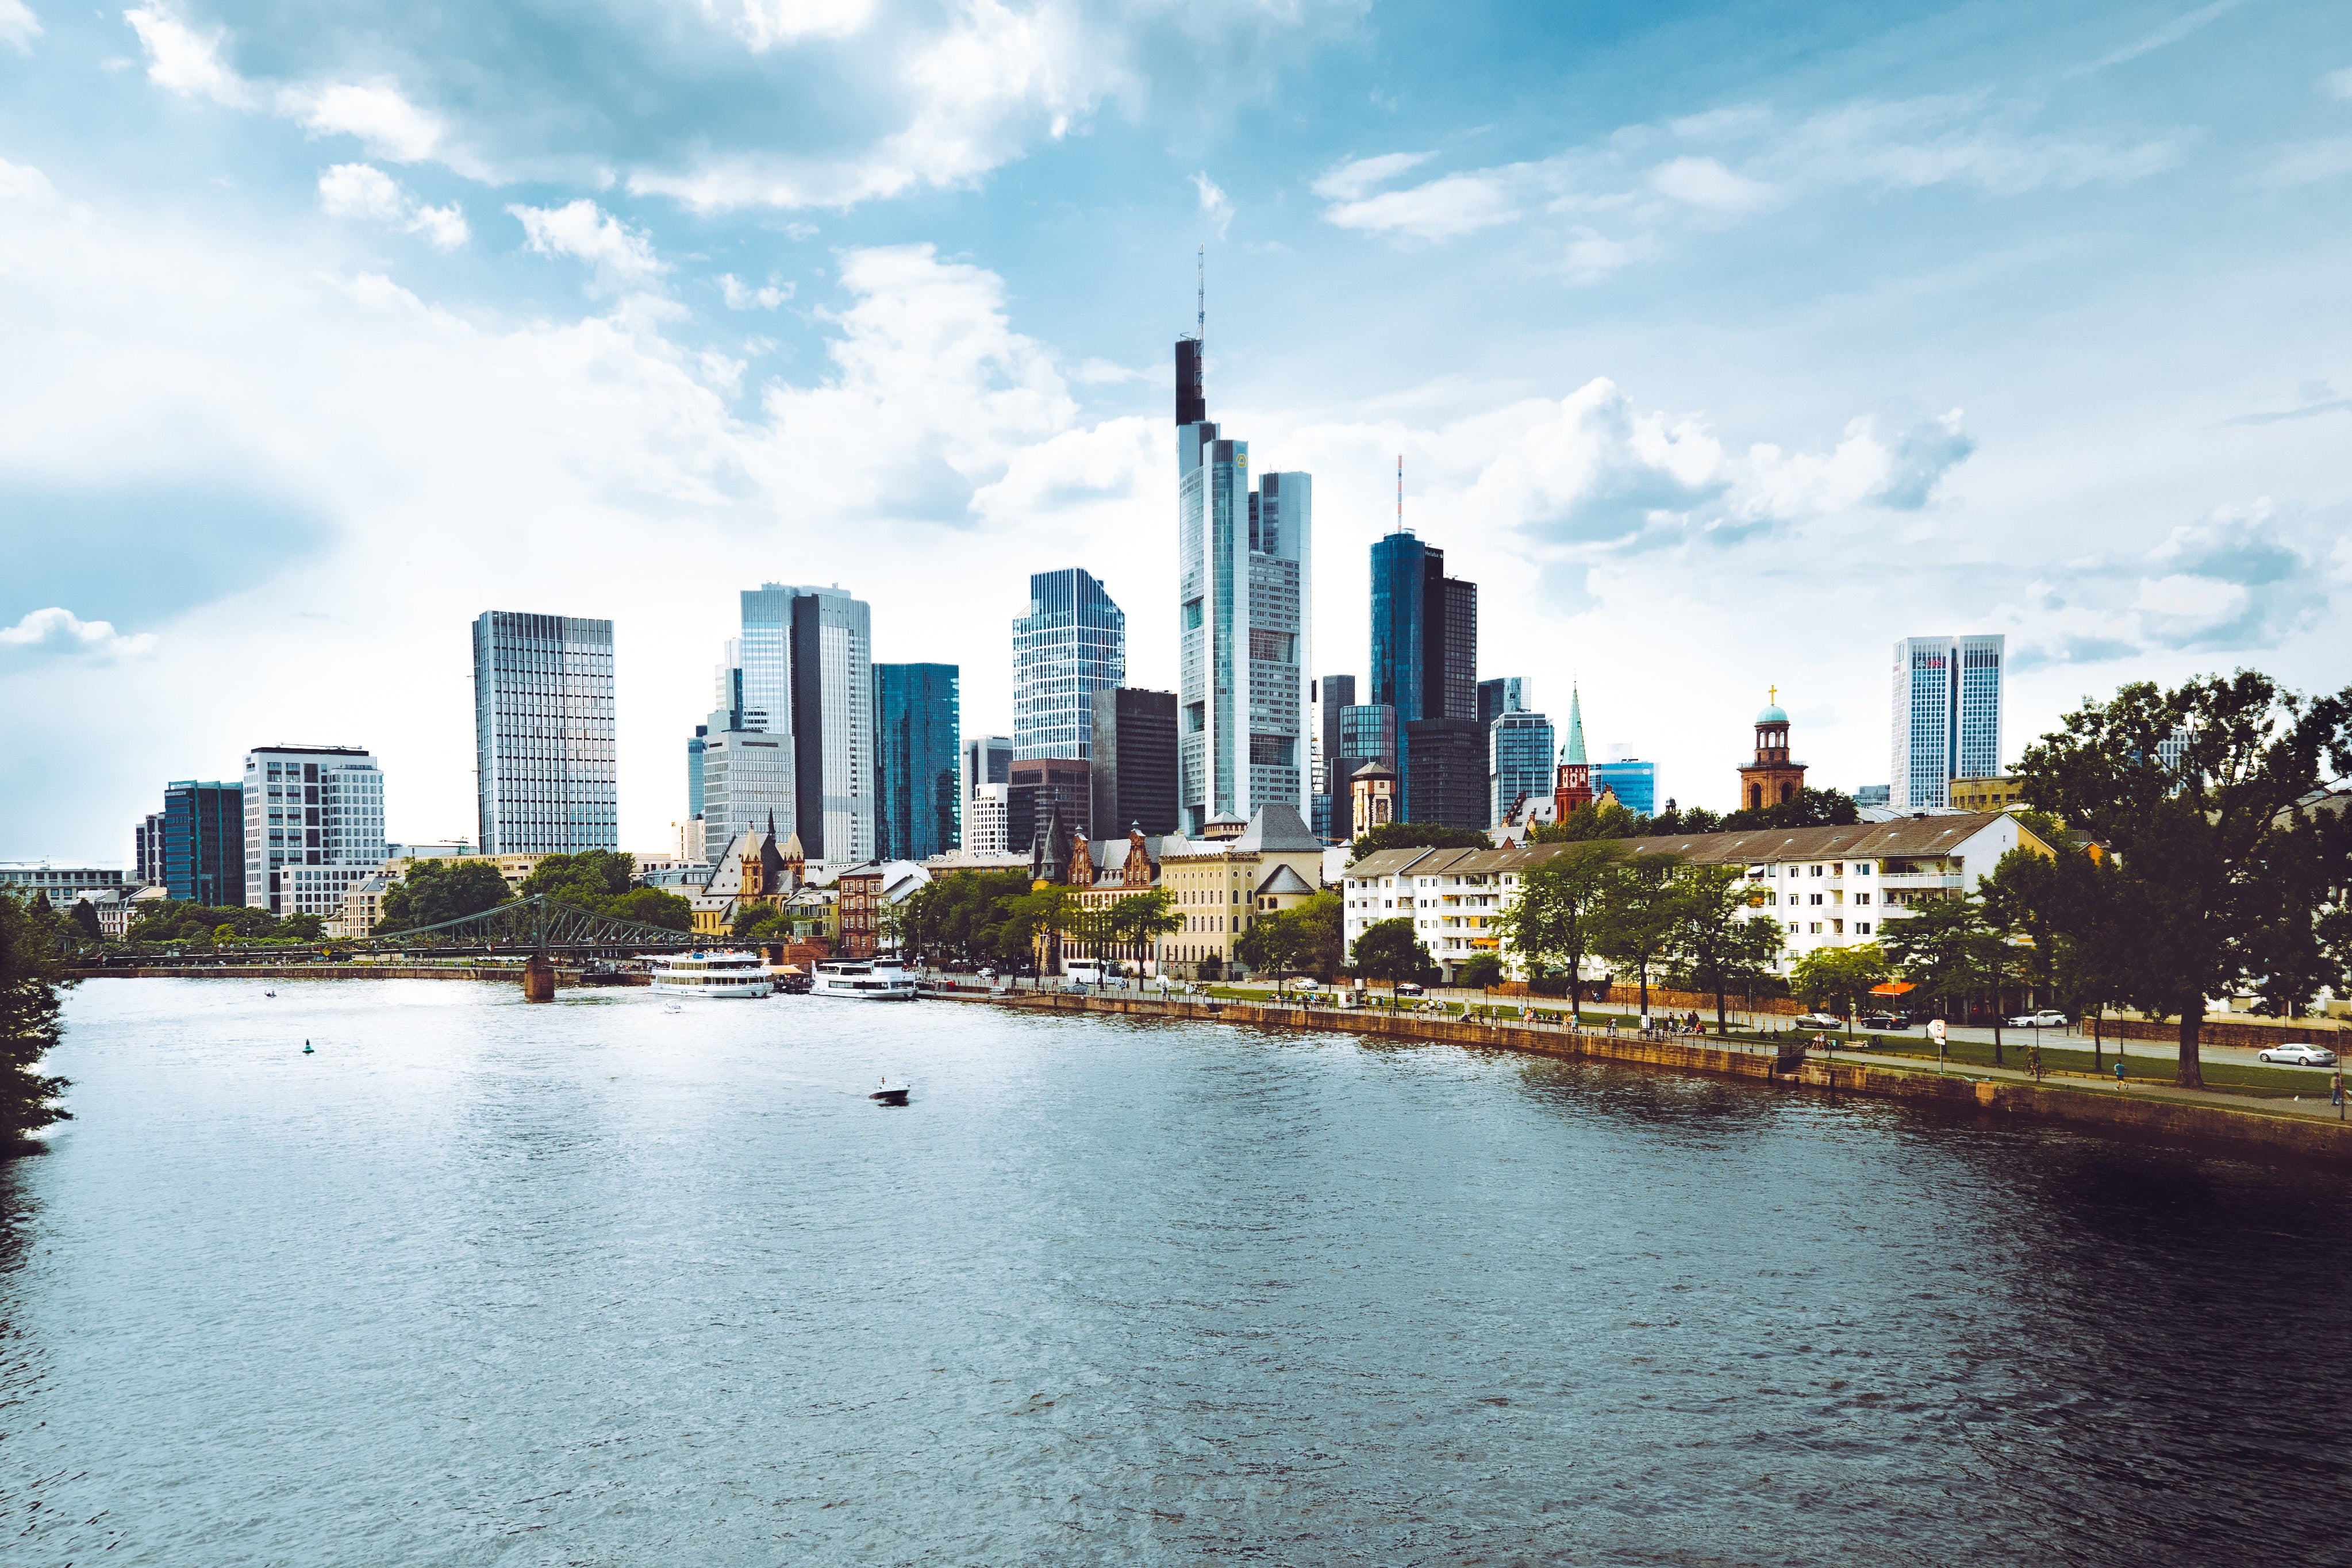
{"x":1771,"y":694}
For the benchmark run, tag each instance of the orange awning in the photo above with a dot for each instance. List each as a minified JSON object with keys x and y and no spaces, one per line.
{"x":1893,"y":988}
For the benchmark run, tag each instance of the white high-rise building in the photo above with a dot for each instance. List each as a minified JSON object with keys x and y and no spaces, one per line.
{"x":748,"y":778}
{"x":987,"y":819}
{"x":1245,"y":570}
{"x":543,"y":757}
{"x":1947,"y":717}
{"x":310,"y":806}
{"x":806,"y":659}
{"x":1071,"y":645}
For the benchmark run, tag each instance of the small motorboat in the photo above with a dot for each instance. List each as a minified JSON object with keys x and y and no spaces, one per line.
{"x":891,"y":1093}
{"x":270,"y":994}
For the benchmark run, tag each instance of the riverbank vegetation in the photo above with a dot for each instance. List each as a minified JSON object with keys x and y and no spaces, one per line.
{"x":31,"y":977}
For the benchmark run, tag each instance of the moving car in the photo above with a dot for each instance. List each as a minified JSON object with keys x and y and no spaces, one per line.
{"x":1884,"y":1021}
{"x":1819,"y":1021}
{"x":2298,"y":1055}
{"x":2048,"y":1018}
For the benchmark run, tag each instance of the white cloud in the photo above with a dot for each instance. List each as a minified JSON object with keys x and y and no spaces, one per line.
{"x":740,"y":296}
{"x":376,"y":112}
{"x":764,"y":23}
{"x":1441,"y":209}
{"x":19,"y":26}
{"x":360,"y":190}
{"x":2172,"y":32}
{"x":585,"y":231}
{"x":59,"y":630}
{"x":1215,"y":206}
{"x":2308,"y":163}
{"x":183,"y":60}
{"x":1705,"y":185}
{"x":2337,"y":84}
{"x":1359,"y":177}
{"x":20,"y":181}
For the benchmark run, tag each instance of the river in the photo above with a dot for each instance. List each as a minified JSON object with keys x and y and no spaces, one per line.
{"x":480,"y":1282}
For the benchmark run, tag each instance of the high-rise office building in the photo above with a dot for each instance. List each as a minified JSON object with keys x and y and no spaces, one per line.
{"x":1519,"y":760}
{"x":918,"y":794}
{"x":748,"y":777}
{"x":311,"y":806}
{"x":1425,"y":664}
{"x":987,"y":823}
{"x":204,"y":843}
{"x":805,"y":664}
{"x":1948,"y":713}
{"x":1244,"y":570}
{"x":543,"y":758}
{"x":1331,"y":696}
{"x":1634,"y":783}
{"x":1070,"y":645}
{"x":987,"y":760}
{"x":147,"y":847}
{"x":1504,"y":694}
{"x":1039,"y":784}
{"x":1368,"y":733}
{"x":1134,"y":762}
{"x":1445,"y":772}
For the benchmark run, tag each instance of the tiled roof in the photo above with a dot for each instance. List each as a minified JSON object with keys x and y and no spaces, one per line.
{"x":1276,"y":829}
{"x":1929,"y":836}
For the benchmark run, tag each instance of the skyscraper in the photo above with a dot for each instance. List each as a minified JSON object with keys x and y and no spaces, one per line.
{"x":1070,"y":645}
{"x":987,"y":760}
{"x":543,"y":733}
{"x":1425,"y":665}
{"x":1134,"y":762}
{"x":1244,"y":567}
{"x":748,"y":780}
{"x":917,"y":801}
{"x":832,"y":723}
{"x":1946,"y":716}
{"x":1504,"y":694}
{"x":1333,"y":695}
{"x":204,"y":843}
{"x":1634,"y":783}
{"x":1519,"y":753}
{"x":1039,"y":785}
{"x":1368,"y":733}
{"x":310,"y":806}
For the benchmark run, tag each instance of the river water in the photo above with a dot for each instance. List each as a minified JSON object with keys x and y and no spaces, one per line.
{"x":597,"y":1283}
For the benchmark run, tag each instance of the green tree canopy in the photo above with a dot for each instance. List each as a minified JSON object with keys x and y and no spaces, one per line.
{"x":1809,"y":808}
{"x":85,"y":921}
{"x":30,"y":979}
{"x":1480,"y":969}
{"x":1389,"y":950}
{"x":2206,"y":796}
{"x":1640,"y":908}
{"x":1604,"y":818}
{"x":586,"y":879}
{"x":1937,"y":947}
{"x":1839,"y":975}
{"x":1307,"y":939}
{"x":438,"y":890}
{"x":1718,"y":942}
{"x":187,"y":924}
{"x":962,"y":919}
{"x":1554,"y":920}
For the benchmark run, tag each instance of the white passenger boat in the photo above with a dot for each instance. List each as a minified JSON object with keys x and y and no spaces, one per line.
{"x":713,"y":975}
{"x":865,"y":980}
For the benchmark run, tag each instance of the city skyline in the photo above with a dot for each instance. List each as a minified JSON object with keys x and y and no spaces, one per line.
{"x":1995,"y":319}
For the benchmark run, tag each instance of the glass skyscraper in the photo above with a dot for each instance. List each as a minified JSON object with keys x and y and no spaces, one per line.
{"x":1071,"y":645}
{"x":1635,"y":784}
{"x":1425,"y":664}
{"x":917,"y":797}
{"x":801,"y":672}
{"x":204,"y":843}
{"x":1244,"y":567}
{"x":1519,"y":760}
{"x":543,"y":734}
{"x":1946,"y":716}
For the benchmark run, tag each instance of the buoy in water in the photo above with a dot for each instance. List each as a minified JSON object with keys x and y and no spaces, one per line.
{"x":307,"y":1050}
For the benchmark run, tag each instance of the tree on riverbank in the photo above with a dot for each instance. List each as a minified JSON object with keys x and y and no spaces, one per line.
{"x":2205,"y":796}
{"x":438,"y":890}
{"x":1555,"y":921}
{"x":1716,"y":941}
{"x":30,"y":978}
{"x":1390,"y":951}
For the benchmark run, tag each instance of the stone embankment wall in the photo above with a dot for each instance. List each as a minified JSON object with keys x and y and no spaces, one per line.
{"x":2241,"y":1131}
{"x":510,"y":972}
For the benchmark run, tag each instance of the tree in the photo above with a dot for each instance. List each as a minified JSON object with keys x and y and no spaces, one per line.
{"x":1556,"y":913}
{"x":1322,"y":924}
{"x":1604,"y":818}
{"x":1638,"y":913}
{"x":438,"y":890}
{"x":30,"y":978}
{"x":1047,"y":914}
{"x":1390,"y":950}
{"x":1936,"y":947}
{"x":652,"y":907}
{"x":1809,"y":808}
{"x":1135,"y":920}
{"x":1484,"y":970}
{"x":2201,"y":795}
{"x":1420,"y":835}
{"x":1841,"y":974}
{"x":85,"y":920}
{"x":960,"y":918}
{"x":1717,"y":937}
{"x":1690,"y":819}
{"x":588,"y":879}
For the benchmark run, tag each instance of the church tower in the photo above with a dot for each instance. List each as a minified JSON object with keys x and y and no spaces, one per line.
{"x":1572,"y":782}
{"x":1771,"y":778}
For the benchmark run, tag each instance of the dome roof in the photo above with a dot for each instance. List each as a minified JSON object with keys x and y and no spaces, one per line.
{"x":1775,"y":714}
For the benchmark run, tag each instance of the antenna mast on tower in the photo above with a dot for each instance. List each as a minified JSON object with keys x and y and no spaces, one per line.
{"x":1201,"y":298}
{"x":1400,"y":527}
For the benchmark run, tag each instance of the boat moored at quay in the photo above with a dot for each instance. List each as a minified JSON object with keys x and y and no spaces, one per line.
{"x":864,"y":980}
{"x":713,"y":975}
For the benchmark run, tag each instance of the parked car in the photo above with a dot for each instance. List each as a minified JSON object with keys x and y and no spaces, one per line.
{"x":2298,"y":1055}
{"x":1820,"y":1021}
{"x":1884,"y":1021}
{"x":2048,"y":1018}
{"x":1407,"y":988}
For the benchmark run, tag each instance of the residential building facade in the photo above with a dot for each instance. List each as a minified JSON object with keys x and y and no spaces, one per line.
{"x":543,"y":760}
{"x":1948,"y":700}
{"x":917,"y":797}
{"x":1071,"y":644}
{"x":1134,"y":762}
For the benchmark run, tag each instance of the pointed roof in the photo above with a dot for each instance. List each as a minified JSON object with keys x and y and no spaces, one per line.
{"x":1276,"y":827}
{"x":1283,"y":883}
{"x":1574,"y":750}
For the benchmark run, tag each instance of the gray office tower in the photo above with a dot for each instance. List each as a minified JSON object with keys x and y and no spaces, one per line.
{"x":543,"y":734}
{"x":806,"y":658}
{"x":1946,"y":710}
{"x":987,"y":760}
{"x":1134,"y":764}
{"x":310,"y":806}
{"x":1245,"y":569}
{"x":1071,"y":645}
{"x":1333,"y":696}
{"x":1504,"y":694}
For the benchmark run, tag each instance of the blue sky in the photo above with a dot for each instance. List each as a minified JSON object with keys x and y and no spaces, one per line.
{"x":1724,"y":345}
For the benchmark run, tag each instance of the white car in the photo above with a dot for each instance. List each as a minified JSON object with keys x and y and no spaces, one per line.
{"x":2048,"y":1018}
{"x":2299,"y":1056}
{"x":1819,"y":1021}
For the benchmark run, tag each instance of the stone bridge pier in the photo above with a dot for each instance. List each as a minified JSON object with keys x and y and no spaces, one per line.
{"x":538,"y":979}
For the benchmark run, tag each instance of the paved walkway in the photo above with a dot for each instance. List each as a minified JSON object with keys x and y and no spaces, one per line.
{"x":2312,"y":1104}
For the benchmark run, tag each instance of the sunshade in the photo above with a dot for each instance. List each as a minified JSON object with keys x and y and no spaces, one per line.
{"x":1893,"y":988}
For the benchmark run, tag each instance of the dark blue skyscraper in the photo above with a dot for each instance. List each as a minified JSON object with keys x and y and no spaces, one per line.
{"x":1426,"y":667}
{"x":204,"y":842}
{"x":918,"y":805}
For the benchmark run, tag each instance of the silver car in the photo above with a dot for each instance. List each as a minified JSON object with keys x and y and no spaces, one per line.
{"x":2299,"y":1056}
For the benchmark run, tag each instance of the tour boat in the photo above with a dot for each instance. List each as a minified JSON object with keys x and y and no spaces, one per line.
{"x":864,"y":980}
{"x":713,"y":975}
{"x":891,"y":1093}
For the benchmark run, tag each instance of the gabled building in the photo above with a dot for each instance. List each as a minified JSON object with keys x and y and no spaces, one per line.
{"x":1223,"y":885}
{"x":754,"y":872}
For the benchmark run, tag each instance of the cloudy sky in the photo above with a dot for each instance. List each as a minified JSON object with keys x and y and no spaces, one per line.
{"x":1723,"y":344}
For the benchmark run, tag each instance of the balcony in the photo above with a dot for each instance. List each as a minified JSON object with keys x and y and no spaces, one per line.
{"x":1904,"y":880}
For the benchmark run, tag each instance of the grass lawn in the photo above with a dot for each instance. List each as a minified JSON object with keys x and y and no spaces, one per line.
{"x":2265,"y":1081}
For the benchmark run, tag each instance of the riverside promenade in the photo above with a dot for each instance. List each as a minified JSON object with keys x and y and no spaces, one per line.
{"x":2240,"y":1124}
